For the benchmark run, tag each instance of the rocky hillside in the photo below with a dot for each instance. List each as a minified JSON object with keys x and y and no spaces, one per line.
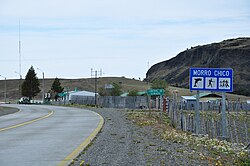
{"x":232,"y":53}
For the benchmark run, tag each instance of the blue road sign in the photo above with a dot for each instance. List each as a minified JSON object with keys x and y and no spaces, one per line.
{"x":211,"y":79}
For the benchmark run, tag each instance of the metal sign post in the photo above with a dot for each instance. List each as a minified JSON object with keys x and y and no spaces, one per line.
{"x":211,"y":79}
{"x":197,"y":113}
{"x":223,"y":115}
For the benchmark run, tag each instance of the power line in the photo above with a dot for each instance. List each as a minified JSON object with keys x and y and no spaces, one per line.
{"x":98,"y":72}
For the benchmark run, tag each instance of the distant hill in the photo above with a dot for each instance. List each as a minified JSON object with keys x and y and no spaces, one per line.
{"x":232,"y":53}
{"x":70,"y":84}
{"x":88,"y":84}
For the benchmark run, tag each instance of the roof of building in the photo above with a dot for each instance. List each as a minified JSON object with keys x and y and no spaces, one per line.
{"x":203,"y":96}
{"x":82,"y":93}
{"x":138,"y":93}
{"x":209,"y":95}
{"x":189,"y":97}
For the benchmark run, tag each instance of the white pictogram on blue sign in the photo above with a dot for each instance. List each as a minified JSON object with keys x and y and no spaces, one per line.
{"x":224,"y":83}
{"x":211,"y":83}
{"x":197,"y":82}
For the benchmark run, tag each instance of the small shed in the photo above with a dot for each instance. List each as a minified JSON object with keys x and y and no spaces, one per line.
{"x":82,"y":97}
{"x":188,"y":102}
{"x":82,"y":93}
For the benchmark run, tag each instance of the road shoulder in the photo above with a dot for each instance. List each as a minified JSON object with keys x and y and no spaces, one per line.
{"x":70,"y":158}
{"x":7,"y":110}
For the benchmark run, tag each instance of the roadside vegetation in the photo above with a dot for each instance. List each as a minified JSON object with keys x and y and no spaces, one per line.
{"x":114,"y":90}
{"x":216,"y":152}
{"x":30,"y":86}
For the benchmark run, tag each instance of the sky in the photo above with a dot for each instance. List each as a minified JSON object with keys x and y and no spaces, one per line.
{"x":65,"y":39}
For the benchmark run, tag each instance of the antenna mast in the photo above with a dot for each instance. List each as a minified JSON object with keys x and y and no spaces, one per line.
{"x":19,"y":50}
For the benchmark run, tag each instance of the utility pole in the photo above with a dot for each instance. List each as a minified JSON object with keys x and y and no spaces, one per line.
{"x":19,"y":86}
{"x":20,"y":60}
{"x":19,"y":51}
{"x":95,"y":88}
{"x":96,"y":73}
{"x":5,"y":90}
{"x":43,"y":91}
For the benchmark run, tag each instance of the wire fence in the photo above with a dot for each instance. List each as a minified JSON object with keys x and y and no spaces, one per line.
{"x":237,"y":124}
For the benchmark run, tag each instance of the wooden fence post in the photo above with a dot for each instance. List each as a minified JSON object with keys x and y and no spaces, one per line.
{"x":213,"y":128}
{"x":247,"y":139}
{"x":235,"y":132}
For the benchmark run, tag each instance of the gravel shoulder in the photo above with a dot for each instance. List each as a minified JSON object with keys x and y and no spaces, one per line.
{"x":121,"y":142}
{"x":7,"y":110}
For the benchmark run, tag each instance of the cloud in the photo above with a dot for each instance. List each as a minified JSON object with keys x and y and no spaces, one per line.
{"x":123,"y":9}
{"x":112,"y":34}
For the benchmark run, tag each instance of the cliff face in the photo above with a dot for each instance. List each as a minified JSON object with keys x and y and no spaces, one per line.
{"x":232,"y":53}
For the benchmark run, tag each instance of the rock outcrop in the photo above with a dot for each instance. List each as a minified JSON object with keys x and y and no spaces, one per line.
{"x":232,"y":53}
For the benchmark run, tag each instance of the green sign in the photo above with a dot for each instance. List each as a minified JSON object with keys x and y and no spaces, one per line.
{"x":156,"y":92}
{"x":62,"y":94}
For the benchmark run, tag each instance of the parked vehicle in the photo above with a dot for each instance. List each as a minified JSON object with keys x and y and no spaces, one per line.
{"x":24,"y":100}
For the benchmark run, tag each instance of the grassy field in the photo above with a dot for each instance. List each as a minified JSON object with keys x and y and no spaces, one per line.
{"x":88,"y":84}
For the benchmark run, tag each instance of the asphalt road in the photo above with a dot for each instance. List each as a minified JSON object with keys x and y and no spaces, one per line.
{"x":45,"y":135}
